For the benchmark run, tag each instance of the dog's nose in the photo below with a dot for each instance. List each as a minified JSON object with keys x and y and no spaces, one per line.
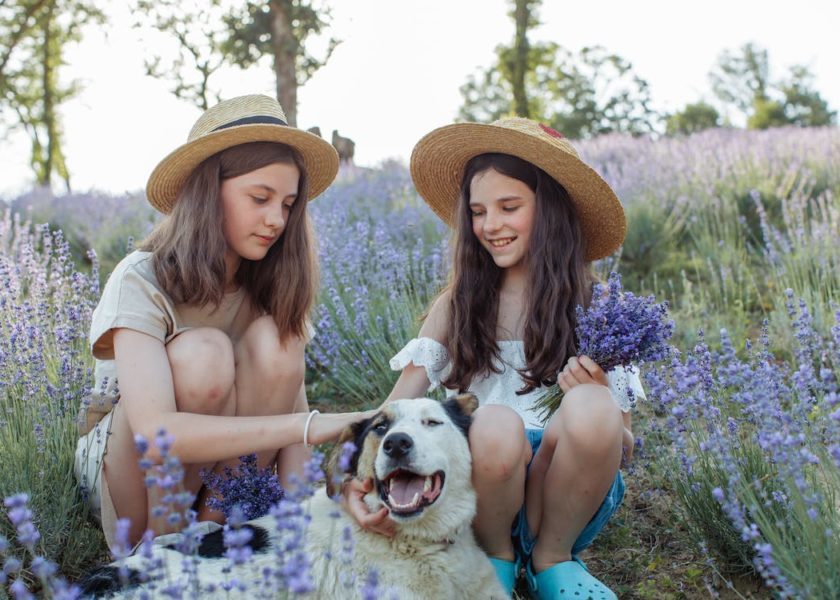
{"x":398,"y":444}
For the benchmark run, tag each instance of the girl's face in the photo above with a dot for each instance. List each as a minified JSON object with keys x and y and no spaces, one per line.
{"x":503,"y":210}
{"x":256,"y":208}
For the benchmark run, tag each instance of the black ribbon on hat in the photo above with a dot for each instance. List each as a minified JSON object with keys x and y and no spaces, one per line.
{"x":253,"y":121}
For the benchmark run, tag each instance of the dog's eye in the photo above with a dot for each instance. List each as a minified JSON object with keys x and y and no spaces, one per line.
{"x":381,"y":427}
{"x":432,"y":422}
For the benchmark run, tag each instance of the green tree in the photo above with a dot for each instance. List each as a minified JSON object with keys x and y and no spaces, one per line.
{"x":742,"y":79}
{"x":581,"y":95}
{"x":767,"y":113}
{"x":514,"y":61}
{"x":198,"y":30}
{"x":693,"y":118}
{"x":221,"y":33}
{"x":34,"y":35}
{"x":803,"y":105}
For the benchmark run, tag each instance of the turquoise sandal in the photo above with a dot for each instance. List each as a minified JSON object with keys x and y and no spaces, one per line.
{"x":568,"y":579}
{"x":506,"y":572}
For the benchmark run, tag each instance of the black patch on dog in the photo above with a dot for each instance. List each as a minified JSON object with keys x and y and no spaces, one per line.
{"x":106,"y":580}
{"x":462,"y":421}
{"x":213,"y":544}
{"x":360,"y":430}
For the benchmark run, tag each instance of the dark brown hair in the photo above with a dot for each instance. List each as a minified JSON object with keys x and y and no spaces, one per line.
{"x":189,"y":246}
{"x":559,"y":278}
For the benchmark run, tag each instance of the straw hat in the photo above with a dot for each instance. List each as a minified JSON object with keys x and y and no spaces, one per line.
{"x":439,"y":159}
{"x":254,"y":118}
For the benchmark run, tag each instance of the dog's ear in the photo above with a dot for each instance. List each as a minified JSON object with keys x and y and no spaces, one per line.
{"x":335,"y":475}
{"x":467,"y":402}
{"x":460,"y":409}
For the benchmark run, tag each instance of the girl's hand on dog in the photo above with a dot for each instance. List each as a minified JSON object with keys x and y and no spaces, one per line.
{"x":327,"y":427}
{"x":353,"y":493}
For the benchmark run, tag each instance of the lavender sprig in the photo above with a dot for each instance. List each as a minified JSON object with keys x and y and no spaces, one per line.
{"x":618,"y":329}
{"x":252,"y":489}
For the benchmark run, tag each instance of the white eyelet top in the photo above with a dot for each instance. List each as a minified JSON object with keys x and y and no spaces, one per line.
{"x":500,"y":388}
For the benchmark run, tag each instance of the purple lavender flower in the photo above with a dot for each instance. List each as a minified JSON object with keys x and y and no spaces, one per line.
{"x":253,"y":490}
{"x":619,"y":328}
{"x":370,"y":590}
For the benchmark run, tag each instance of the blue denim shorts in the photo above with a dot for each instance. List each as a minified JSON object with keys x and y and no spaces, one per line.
{"x":524,"y":542}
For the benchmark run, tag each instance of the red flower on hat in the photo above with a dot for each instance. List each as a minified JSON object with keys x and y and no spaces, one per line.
{"x":551,"y":131}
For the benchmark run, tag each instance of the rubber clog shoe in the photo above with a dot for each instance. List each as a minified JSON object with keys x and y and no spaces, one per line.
{"x":568,"y":579}
{"x":506,"y":572}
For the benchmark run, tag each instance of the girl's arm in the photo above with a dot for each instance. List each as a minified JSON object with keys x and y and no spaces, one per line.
{"x":147,"y":395}
{"x":413,"y":380}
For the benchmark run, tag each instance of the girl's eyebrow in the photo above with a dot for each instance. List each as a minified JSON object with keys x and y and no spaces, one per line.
{"x":264,"y":186}
{"x":272,"y":191}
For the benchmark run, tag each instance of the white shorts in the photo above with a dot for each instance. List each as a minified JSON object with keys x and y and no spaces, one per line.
{"x":90,"y":453}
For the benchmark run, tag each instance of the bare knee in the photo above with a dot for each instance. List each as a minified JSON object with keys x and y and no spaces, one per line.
{"x":272,"y":360}
{"x":497,"y":444}
{"x":203,"y":370}
{"x":588,"y":420}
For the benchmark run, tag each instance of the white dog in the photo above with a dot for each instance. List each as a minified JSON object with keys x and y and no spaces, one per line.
{"x":417,"y":453}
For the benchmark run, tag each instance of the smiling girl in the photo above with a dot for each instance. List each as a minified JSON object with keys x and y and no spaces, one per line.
{"x":529,"y":217}
{"x":202,"y":331}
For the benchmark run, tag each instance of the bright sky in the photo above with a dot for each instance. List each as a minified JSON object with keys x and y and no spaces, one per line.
{"x":397,"y":72}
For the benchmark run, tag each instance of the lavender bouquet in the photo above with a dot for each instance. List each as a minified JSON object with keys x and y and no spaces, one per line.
{"x":253,"y":490}
{"x":618,"y":329}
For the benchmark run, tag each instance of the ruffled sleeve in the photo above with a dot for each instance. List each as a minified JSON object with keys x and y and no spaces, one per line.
{"x":626,"y":387}
{"x":427,"y":353}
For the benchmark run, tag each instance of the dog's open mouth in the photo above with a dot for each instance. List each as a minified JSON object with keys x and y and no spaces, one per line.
{"x":407,"y":493}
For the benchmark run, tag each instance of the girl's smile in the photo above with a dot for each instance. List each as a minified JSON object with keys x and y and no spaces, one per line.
{"x":503,"y":211}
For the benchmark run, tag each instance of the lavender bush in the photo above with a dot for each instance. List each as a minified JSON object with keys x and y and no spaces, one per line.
{"x":109,"y":224}
{"x":767,"y":433}
{"x":383,"y":257}
{"x":45,"y":371}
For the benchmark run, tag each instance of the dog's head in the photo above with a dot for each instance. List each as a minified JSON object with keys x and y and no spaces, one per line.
{"x":417,"y":453}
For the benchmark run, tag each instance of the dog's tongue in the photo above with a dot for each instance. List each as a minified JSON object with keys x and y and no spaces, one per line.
{"x":405,"y":485}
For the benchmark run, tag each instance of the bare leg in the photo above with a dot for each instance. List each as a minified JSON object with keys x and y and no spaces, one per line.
{"x":203,"y":375}
{"x":269,"y":381}
{"x":572,"y":471}
{"x":500,"y":455}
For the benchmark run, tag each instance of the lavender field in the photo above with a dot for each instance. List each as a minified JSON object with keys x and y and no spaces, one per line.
{"x":735,"y":488}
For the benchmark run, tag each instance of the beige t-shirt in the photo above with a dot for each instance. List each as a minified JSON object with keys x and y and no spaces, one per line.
{"x":133,"y":299}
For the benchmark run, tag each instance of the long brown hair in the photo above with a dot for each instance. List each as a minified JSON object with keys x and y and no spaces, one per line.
{"x":189,"y":246}
{"x":559,"y":278}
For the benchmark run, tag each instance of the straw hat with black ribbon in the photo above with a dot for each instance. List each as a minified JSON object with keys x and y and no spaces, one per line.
{"x":439,"y":159}
{"x":253,"y":118}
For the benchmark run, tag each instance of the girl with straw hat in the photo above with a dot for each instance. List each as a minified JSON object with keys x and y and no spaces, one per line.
{"x":202,"y":331}
{"x":529,"y":217}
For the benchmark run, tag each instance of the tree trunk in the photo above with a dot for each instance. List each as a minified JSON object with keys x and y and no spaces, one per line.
{"x":521,"y":16}
{"x":285,"y":49}
{"x":45,"y":172}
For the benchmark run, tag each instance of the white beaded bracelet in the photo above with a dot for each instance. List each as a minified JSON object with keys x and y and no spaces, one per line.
{"x":312,"y":413}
